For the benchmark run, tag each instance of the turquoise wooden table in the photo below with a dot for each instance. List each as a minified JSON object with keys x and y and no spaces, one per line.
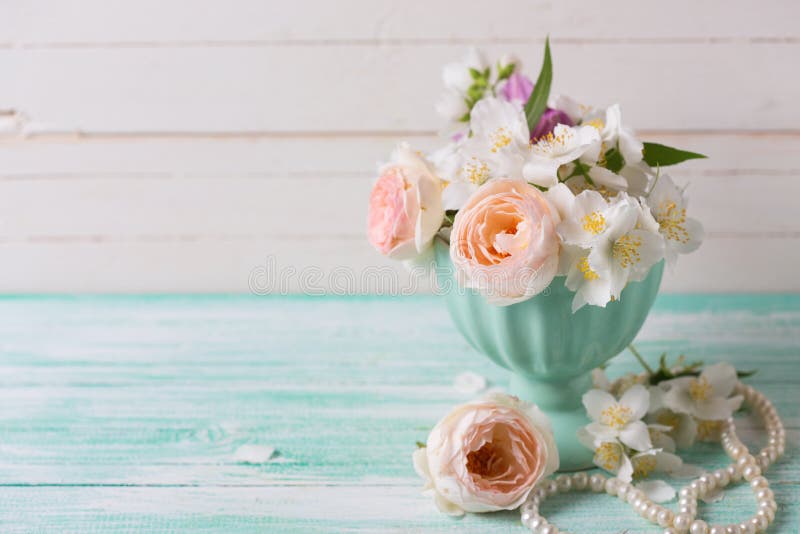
{"x":126,"y":413}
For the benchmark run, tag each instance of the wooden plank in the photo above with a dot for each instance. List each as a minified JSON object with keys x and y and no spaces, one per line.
{"x":48,"y":23}
{"x":225,"y":264}
{"x":142,"y":213}
{"x":266,"y":187}
{"x":352,"y":89}
{"x":130,"y":207}
{"x":729,"y":153}
{"x":125,"y":416}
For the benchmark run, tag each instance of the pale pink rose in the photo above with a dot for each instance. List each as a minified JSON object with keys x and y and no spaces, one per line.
{"x":504,"y":241}
{"x":487,"y":455}
{"x":405,"y":206}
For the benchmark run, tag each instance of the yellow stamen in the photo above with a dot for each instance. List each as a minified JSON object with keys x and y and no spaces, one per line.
{"x":672,"y":222}
{"x":477,"y":171}
{"x":594,"y":223}
{"x":643,"y":466}
{"x":608,"y":456}
{"x":598,"y":124}
{"x":708,"y":430}
{"x":500,"y":138}
{"x":700,"y":389}
{"x":583,"y":267}
{"x":626,"y":250}
{"x":616,"y":416}
{"x":668,"y":419}
{"x":549,"y":142}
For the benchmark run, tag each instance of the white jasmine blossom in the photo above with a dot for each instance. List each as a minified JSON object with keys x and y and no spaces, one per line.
{"x":499,"y":144}
{"x":706,"y":397}
{"x":614,"y":419}
{"x":565,"y":144}
{"x":626,"y":250}
{"x":668,"y":203}
{"x":613,"y":134}
{"x":682,"y":427}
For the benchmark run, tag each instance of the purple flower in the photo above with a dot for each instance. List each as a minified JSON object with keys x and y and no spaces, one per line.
{"x":517,"y":88}
{"x":548,"y":122}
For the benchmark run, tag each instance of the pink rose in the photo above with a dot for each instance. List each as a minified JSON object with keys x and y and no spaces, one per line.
{"x":487,"y":455}
{"x":504,"y":241}
{"x":405,"y":206}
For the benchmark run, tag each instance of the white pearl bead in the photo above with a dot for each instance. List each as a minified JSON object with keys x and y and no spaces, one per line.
{"x":652,"y":513}
{"x":580,"y":480}
{"x":759,"y":523}
{"x":564,"y":483}
{"x":622,"y":490}
{"x":747,"y":528}
{"x":670,"y":531}
{"x":732,"y":529}
{"x":686,"y":501}
{"x":734,"y":473}
{"x":699,"y":486}
{"x":634,"y":495}
{"x":736,"y":451}
{"x":716,"y":529}
{"x":540,"y":493}
{"x":722,"y":478}
{"x":768,"y":503}
{"x":698,"y":527}
{"x":548,"y":529}
{"x":762,"y":461}
{"x":767,"y":513}
{"x":759,"y":482}
{"x":597,"y":483}
{"x":665,"y":517}
{"x":682,"y":522}
{"x":612,"y":485}
{"x":551,"y":487}
{"x":751,"y":471}
{"x":745,"y":460}
{"x":536,"y":522}
{"x":526,"y":517}
{"x":709,"y":481}
{"x":765,"y":494}
{"x":689,"y":510}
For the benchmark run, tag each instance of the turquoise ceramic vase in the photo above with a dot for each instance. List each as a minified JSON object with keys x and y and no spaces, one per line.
{"x":549,"y":350}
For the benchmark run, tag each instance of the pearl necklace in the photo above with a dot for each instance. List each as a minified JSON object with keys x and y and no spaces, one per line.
{"x":744,"y":466}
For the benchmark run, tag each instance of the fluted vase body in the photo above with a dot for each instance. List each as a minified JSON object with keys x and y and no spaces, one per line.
{"x":550,"y":350}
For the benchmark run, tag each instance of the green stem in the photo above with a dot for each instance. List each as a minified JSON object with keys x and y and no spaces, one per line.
{"x":639,"y":357}
{"x":582,"y":170}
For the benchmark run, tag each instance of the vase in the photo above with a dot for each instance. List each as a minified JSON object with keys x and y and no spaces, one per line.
{"x":550,"y":350}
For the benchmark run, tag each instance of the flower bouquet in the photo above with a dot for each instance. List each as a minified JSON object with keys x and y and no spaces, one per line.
{"x":550,"y":218}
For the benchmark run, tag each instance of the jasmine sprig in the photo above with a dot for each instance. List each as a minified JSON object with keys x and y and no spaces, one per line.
{"x":678,"y":369}
{"x":482,"y":83}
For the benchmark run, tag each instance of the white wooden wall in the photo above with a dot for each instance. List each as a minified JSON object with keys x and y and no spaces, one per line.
{"x":160,"y":145}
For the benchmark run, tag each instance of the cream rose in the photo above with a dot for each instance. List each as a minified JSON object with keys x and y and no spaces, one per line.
{"x":504,"y":241}
{"x":405,"y":206}
{"x":487,"y":455}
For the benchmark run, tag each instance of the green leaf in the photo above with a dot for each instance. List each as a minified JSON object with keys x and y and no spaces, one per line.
{"x":450,"y":215}
{"x":657,"y":155}
{"x":504,"y":72}
{"x":537,"y":102}
{"x":420,"y":445}
{"x":475,"y":73}
{"x":745,"y":374}
{"x":614,"y":160}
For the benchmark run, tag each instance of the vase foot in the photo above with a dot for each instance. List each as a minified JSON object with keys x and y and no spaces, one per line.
{"x":561,"y":402}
